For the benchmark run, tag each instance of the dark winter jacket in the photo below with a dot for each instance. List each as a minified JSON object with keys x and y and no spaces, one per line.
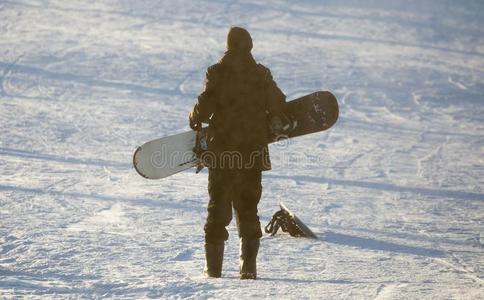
{"x":240,"y":97}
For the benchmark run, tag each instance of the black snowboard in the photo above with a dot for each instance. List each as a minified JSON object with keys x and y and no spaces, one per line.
{"x":311,"y":113}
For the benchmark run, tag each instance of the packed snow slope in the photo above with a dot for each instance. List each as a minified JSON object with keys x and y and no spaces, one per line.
{"x":395,"y":191}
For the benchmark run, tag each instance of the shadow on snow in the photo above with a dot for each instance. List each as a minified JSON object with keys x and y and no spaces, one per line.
{"x":160,"y":203}
{"x":378,"y":245}
{"x":87,"y":80}
{"x":62,"y":159}
{"x":385,"y":187}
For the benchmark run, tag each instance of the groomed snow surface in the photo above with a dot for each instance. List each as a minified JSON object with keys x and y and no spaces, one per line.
{"x":395,"y":191}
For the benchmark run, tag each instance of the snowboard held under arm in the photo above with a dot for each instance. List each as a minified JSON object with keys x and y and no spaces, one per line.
{"x":166,"y":156}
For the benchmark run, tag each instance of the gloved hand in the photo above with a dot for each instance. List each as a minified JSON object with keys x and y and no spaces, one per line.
{"x":280,"y":125}
{"x":195,"y":124}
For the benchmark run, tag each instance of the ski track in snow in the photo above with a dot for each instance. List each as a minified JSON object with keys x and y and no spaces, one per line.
{"x":395,"y":191}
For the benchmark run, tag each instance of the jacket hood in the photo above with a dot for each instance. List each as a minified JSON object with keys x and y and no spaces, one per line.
{"x":239,"y":39}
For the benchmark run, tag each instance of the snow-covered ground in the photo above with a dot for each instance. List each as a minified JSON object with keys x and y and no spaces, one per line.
{"x":395,"y":190}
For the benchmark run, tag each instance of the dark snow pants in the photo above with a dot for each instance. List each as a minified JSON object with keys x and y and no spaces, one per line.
{"x":240,"y":189}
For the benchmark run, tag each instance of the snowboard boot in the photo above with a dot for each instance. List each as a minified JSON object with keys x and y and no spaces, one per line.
{"x":248,"y":257}
{"x":214,"y":255}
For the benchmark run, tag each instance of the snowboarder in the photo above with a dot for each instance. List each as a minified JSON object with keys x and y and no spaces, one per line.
{"x":239,"y":101}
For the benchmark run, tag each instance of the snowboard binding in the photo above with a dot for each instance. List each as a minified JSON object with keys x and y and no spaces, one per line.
{"x":201,"y":145}
{"x":288,"y":222}
{"x":280,"y":127}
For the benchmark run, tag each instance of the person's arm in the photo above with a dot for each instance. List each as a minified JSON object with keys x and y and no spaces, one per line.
{"x":275,"y":102}
{"x":205,"y":106}
{"x":275,"y":97}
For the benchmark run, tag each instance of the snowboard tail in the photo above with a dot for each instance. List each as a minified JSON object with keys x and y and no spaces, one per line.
{"x":309,"y":114}
{"x":166,"y":156}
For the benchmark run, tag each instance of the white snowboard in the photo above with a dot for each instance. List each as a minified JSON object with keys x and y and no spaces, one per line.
{"x":166,"y":156}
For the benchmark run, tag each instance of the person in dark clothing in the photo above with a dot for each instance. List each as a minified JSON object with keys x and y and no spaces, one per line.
{"x":239,"y":102}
